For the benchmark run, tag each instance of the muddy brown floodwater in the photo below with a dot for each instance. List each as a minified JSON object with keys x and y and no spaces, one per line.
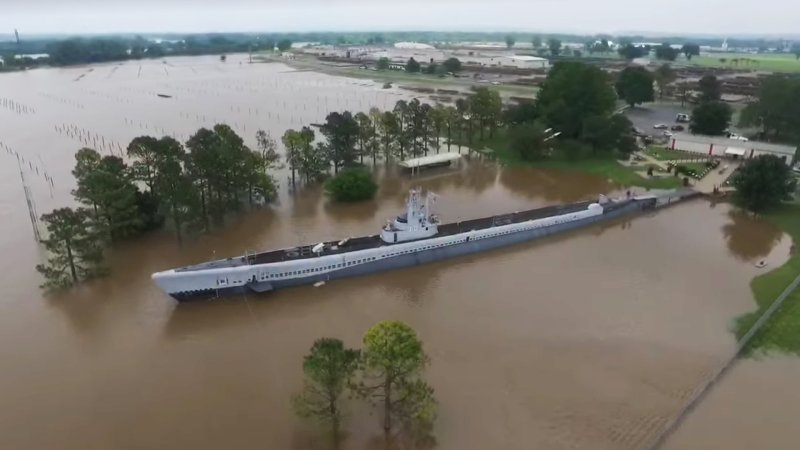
{"x":588,"y":340}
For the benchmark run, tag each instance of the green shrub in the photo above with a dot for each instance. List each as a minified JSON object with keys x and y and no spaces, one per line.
{"x":351,"y":185}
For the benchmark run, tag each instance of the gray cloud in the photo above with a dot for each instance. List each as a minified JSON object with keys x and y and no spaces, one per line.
{"x":684,"y":16}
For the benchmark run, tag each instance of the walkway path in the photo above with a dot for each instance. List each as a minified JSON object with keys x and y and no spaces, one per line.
{"x":706,"y":185}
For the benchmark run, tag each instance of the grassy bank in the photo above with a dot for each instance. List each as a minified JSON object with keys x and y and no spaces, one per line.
{"x":665,"y":154}
{"x":782,"y":332}
{"x":607,"y":168}
{"x":772,"y":62}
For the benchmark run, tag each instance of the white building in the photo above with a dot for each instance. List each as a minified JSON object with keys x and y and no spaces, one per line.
{"x":526,"y":62}
{"x":413,"y":46}
{"x":721,"y":146}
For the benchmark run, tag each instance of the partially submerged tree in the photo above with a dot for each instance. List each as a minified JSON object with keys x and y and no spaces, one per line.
{"x":75,"y":248}
{"x":341,"y":131}
{"x":393,"y":362}
{"x":144,"y":150}
{"x":351,"y":185}
{"x":106,"y":185}
{"x":178,"y":195}
{"x":328,"y":368}
{"x":486,"y":105}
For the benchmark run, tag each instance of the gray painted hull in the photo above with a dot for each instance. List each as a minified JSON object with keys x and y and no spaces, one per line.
{"x":421,"y":257}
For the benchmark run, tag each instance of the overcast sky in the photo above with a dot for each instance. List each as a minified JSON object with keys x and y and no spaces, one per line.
{"x":580,"y":16}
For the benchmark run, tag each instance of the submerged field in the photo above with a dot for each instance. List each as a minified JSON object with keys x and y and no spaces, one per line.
{"x":592,"y":339}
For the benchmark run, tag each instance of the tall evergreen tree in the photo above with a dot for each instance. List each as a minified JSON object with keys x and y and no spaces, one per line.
{"x":328,"y":368}
{"x":401,"y":113}
{"x":341,"y":131}
{"x":291,"y":140}
{"x":388,"y":129}
{"x":75,"y":248}
{"x":487,"y":106}
{"x":204,"y":161}
{"x":178,"y":196}
{"x":393,"y":363}
{"x":144,"y":151}
{"x":107,"y":186}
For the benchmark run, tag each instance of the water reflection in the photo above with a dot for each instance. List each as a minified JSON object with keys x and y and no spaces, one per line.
{"x":351,"y":212}
{"x":552,"y":185}
{"x":748,"y":237}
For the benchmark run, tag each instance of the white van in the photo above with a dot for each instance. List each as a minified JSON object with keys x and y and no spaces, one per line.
{"x":682,"y":118}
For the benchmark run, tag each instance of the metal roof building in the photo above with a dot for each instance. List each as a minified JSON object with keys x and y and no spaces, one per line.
{"x":722,"y":146}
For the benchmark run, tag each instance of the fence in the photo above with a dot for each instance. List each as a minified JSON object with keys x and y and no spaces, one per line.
{"x":701,"y":391}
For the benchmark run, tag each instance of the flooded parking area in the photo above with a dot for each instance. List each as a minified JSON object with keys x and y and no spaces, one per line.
{"x":591,"y":339}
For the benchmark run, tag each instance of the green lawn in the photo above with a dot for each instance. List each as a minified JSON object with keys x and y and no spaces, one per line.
{"x":782,"y":332}
{"x":771,"y":62}
{"x":608,"y":168}
{"x":697,"y":167}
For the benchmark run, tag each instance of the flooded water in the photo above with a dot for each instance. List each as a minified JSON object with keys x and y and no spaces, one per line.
{"x":588,"y":340}
{"x":754,"y":406}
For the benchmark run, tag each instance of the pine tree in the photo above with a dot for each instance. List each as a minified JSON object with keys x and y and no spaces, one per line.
{"x":75,"y":248}
{"x":107,"y":186}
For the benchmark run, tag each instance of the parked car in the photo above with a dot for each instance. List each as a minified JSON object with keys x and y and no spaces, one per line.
{"x":677,"y":128}
{"x":667,"y":133}
{"x":682,"y":118}
{"x":661,"y":126}
{"x":737,"y":137}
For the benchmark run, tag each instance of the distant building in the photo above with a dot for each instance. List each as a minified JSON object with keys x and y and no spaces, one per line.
{"x":413,"y":46}
{"x":525,"y":62}
{"x":33,"y":56}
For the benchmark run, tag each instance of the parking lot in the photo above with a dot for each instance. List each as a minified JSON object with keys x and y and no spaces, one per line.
{"x":645,"y":116}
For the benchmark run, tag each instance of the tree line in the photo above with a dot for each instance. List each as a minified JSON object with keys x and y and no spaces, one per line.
{"x":386,"y":373}
{"x":94,"y":50}
{"x":188,"y":186}
{"x":193,"y":186}
{"x":411,"y":129}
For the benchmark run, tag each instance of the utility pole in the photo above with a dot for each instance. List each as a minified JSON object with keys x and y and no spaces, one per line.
{"x":31,"y":204}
